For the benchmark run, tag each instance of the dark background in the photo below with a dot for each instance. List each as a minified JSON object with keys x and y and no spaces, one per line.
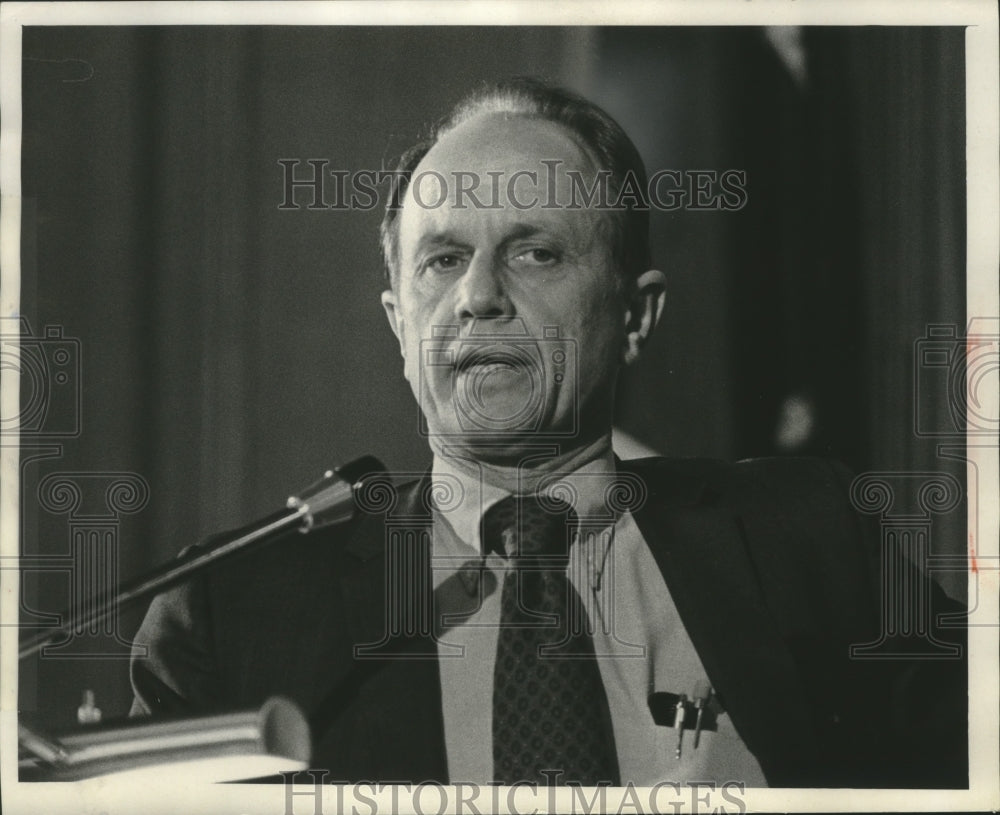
{"x":229,"y":351}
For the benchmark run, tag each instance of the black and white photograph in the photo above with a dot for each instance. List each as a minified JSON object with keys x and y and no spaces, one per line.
{"x":511,"y":407}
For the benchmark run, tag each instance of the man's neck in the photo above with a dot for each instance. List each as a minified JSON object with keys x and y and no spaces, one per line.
{"x":522,"y":475}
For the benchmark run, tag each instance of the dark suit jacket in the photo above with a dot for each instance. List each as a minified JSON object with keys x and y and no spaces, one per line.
{"x":774,"y":576}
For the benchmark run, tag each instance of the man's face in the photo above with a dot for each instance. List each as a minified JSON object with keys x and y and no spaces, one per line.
{"x":511,"y":317}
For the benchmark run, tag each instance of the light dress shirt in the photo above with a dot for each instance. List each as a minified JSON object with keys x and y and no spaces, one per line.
{"x":639,"y":638}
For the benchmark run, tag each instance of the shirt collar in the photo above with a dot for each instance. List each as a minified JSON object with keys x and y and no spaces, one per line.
{"x":461,"y":498}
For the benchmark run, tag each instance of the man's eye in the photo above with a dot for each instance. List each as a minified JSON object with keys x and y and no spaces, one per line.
{"x":537,"y":257}
{"x":444,"y":263}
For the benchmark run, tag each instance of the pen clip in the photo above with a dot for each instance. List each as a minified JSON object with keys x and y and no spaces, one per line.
{"x":701,"y":695}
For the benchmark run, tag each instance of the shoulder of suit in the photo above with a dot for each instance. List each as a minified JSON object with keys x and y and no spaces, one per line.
{"x":793,"y":519}
{"x":753,"y":477}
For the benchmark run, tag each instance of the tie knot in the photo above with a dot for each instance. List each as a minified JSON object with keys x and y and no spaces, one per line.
{"x":529,"y":526}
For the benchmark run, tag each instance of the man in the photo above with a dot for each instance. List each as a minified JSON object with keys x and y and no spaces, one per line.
{"x":559,"y":616}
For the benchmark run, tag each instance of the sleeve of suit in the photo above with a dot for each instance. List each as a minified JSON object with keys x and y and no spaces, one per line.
{"x":177,"y":673}
{"x":926,"y":697}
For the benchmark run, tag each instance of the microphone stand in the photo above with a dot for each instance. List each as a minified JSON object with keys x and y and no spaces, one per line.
{"x":328,"y":501}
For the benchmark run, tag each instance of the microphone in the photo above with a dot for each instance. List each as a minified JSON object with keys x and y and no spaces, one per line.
{"x":327,"y":502}
{"x":330,"y":500}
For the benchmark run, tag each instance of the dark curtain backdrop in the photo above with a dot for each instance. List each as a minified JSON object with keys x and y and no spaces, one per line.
{"x":231,"y":351}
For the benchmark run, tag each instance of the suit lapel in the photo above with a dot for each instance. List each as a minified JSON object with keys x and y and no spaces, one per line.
{"x":387,"y":710}
{"x":711,"y":579}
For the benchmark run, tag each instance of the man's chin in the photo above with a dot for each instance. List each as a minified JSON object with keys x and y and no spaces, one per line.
{"x":496,"y":446}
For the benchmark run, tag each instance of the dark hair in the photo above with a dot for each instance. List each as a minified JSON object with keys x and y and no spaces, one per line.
{"x":600,"y":135}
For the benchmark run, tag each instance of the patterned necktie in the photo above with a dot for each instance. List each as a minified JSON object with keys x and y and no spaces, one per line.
{"x":550,"y":711}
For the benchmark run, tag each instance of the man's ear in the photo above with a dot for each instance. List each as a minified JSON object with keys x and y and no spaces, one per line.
{"x":644,"y":311}
{"x":395,"y":323}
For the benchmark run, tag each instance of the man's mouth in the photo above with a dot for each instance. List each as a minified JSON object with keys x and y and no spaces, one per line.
{"x":487,"y":366}
{"x":488,"y":361}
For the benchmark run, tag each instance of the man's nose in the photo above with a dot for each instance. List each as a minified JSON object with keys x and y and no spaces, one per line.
{"x":482,"y":291}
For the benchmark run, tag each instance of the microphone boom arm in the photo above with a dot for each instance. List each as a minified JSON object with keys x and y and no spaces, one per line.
{"x":329,"y":501}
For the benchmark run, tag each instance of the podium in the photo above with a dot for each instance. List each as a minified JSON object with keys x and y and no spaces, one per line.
{"x":218,"y":748}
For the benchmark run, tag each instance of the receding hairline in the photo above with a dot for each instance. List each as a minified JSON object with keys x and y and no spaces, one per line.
{"x":508,"y":115}
{"x":597,"y":134}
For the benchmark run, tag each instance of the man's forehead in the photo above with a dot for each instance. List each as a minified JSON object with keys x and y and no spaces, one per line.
{"x":512,"y":175}
{"x":423,"y":224}
{"x":447,"y":225}
{"x":504,"y":142}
